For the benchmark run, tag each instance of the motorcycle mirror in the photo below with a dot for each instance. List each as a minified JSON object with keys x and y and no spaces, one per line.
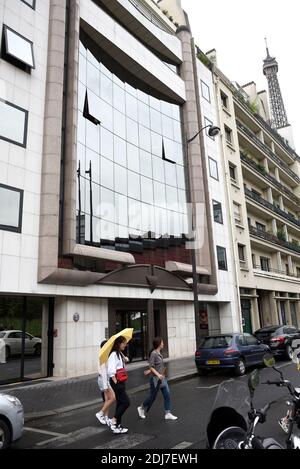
{"x":269,"y":360}
{"x":253,"y":381}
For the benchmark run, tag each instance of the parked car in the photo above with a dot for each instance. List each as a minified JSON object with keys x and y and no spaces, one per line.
{"x":11,"y":420}
{"x":279,"y":339}
{"x":236,"y":351}
{"x":13,"y":343}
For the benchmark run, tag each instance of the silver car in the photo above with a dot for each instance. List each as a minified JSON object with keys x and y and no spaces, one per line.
{"x":11,"y":420}
{"x":13,"y":343}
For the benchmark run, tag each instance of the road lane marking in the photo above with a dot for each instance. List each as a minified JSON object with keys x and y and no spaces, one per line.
{"x":44,"y":432}
{"x":126,"y":441}
{"x":208,"y":387}
{"x":183,"y":445}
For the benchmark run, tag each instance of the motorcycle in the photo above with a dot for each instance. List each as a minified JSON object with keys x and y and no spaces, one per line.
{"x":234,"y":418}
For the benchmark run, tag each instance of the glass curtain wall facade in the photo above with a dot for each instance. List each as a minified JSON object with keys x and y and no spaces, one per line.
{"x":131,"y":176}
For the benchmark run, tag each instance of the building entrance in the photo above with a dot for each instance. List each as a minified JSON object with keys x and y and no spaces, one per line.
{"x":138,"y":346}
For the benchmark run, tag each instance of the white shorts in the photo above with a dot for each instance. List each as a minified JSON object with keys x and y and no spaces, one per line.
{"x":103,"y":386}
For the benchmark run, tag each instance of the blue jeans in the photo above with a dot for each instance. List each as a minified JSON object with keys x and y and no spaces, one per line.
{"x":154,"y":388}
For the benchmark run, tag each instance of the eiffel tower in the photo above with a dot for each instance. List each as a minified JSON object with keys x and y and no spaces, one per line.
{"x":270,"y":69}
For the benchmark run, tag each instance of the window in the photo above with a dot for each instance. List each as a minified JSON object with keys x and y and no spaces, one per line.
{"x":221,"y":256}
{"x":232,"y":171}
{"x":11,"y":208}
{"x":30,"y":3}
{"x":228,"y":134}
{"x":253,"y":261}
{"x":13,"y":123}
{"x":217,"y":207}
{"x":208,"y":123}
{"x":241,"y":250}
{"x":264,"y":264}
{"x":17,"y":50}
{"x":205,"y":91}
{"x":260,"y":226}
{"x":224,"y":99}
{"x":298,"y":271}
{"x":213,"y":169}
{"x":237,"y":213}
{"x":251,"y":340}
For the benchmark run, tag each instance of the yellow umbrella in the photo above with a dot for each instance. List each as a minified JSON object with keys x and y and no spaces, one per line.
{"x":105,"y":350}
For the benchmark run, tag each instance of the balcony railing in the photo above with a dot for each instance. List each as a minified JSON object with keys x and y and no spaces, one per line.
{"x":277,"y":137}
{"x":267,"y":150}
{"x":273,"y":239}
{"x":265,"y":124}
{"x":276,"y":271}
{"x":270,"y":178}
{"x":272,"y":207}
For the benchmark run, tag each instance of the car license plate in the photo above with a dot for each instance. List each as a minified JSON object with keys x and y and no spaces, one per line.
{"x":213,"y":362}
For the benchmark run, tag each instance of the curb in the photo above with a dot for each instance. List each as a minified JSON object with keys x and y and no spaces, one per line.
{"x":61,"y":410}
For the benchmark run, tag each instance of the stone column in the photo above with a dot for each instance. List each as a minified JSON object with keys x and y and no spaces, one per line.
{"x":274,"y":226}
{"x":269,"y":195}
{"x":255,"y":319}
{"x":290,"y":264}
{"x":52,"y":145}
{"x":288,"y":313}
{"x":281,"y":204}
{"x":279,"y":260}
{"x":196,"y":159}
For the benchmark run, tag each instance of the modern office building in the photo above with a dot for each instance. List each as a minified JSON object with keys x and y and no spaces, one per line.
{"x":98,"y":99}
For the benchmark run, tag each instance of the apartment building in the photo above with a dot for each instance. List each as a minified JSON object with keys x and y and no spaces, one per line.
{"x":262,"y":173}
{"x":98,"y":98}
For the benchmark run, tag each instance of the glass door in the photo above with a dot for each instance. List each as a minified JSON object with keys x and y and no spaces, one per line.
{"x":35,"y":357}
{"x":137,"y":347}
{"x":23,"y":338}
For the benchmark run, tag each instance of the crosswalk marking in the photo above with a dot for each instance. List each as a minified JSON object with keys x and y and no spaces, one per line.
{"x":125,"y":441}
{"x":184,"y":444}
{"x":43,"y":432}
{"x":72,"y":437}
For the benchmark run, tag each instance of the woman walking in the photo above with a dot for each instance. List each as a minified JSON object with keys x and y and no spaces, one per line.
{"x":107,"y":392}
{"x":157,"y":381}
{"x":117,"y":377}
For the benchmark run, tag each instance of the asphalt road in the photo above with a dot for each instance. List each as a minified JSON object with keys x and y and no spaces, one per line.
{"x":192,"y":402}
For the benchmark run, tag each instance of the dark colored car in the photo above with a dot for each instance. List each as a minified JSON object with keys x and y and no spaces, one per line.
{"x":279,"y":339}
{"x":236,"y":351}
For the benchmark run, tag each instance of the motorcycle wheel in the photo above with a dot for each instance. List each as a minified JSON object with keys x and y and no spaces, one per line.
{"x":230,"y":438}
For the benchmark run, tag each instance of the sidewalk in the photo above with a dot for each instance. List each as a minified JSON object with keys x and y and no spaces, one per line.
{"x":52,"y":396}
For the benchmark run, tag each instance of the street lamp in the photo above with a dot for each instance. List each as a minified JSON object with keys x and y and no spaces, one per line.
{"x":212,"y":132}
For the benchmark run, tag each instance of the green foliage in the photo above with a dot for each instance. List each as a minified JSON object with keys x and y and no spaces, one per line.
{"x":253,"y":106}
{"x":281,"y":235}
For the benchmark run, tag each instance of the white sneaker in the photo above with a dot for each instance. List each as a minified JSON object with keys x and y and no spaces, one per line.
{"x":141,"y":412}
{"x":110,"y":423}
{"x":170,"y":416}
{"x":119,"y":429}
{"x":101,"y":418}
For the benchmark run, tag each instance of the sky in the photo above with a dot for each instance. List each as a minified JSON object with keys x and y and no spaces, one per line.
{"x":236,"y":29}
